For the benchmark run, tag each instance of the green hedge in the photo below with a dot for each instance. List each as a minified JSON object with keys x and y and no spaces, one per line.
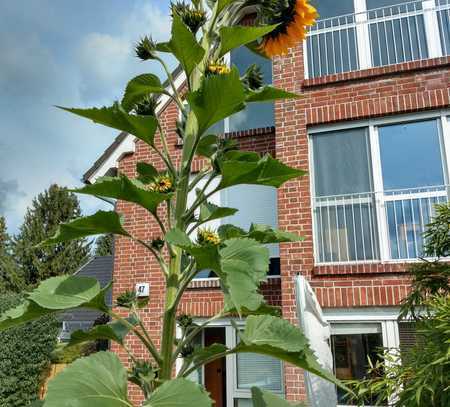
{"x":24,"y":356}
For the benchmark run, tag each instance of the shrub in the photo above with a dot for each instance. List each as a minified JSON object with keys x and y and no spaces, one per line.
{"x":24,"y":356}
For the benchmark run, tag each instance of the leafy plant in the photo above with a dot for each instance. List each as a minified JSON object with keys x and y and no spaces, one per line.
{"x":24,"y":356}
{"x":419,"y":376}
{"x":238,"y":257}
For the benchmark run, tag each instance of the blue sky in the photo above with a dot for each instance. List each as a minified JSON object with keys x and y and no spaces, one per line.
{"x":76,"y":53}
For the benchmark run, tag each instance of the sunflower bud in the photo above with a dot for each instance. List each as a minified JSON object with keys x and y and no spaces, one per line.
{"x":147,"y":106}
{"x":253,"y":78}
{"x":126,"y":299}
{"x":157,"y":244}
{"x":191,"y":17}
{"x":162,"y":184}
{"x":145,"y":49}
{"x":206,"y":237}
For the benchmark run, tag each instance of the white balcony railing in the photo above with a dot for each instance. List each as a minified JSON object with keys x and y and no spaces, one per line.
{"x":374,"y":226}
{"x":373,"y":38}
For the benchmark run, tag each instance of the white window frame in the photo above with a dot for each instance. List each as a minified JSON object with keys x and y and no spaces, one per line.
{"x":443,"y":120}
{"x":386,"y":317}
{"x":232,"y":390}
{"x":361,"y":27}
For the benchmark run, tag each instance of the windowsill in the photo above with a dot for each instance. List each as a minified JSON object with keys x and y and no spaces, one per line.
{"x":368,"y":267}
{"x":202,"y":283}
{"x":378,"y":71}
{"x":261,"y":131}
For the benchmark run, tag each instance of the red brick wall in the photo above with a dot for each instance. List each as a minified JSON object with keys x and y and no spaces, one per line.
{"x":377,"y":92}
{"x":405,"y":88}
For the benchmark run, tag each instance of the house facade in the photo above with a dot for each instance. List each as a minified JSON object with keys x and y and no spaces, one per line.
{"x":373,"y":132}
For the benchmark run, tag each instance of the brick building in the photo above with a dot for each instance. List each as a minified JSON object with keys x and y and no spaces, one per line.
{"x":372,"y":130}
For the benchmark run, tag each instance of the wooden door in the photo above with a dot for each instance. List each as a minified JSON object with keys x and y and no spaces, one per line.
{"x":215,"y":371}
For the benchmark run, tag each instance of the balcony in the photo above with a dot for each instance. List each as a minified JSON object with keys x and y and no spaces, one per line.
{"x":409,"y":31}
{"x":384,"y":226}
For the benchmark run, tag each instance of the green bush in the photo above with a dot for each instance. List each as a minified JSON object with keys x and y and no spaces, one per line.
{"x":24,"y":356}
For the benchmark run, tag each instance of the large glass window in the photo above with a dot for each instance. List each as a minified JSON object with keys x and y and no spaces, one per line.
{"x":353,"y":344}
{"x":360,"y":34}
{"x":256,"y":115}
{"x":350,"y":213}
{"x":413,"y":176}
{"x":411,"y":155}
{"x":344,"y":206}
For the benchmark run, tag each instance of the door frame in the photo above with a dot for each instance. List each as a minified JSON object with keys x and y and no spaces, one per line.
{"x":232,"y":390}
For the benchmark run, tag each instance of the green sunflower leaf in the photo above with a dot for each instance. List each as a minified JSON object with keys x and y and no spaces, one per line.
{"x":179,"y":393}
{"x":268,"y":94}
{"x":140,"y":87}
{"x":115,"y":331}
{"x":99,"y":223}
{"x":23,"y":313}
{"x":239,"y":35}
{"x":125,"y":189}
{"x":244,"y":266}
{"x":263,"y":398}
{"x":143,"y":127}
{"x":261,"y":233}
{"x":209,"y":211}
{"x":184,"y":46}
{"x":210,"y":109}
{"x":275,"y":337}
{"x":98,"y":380}
{"x":267,"y":171}
{"x":54,"y":295}
{"x":147,"y":172}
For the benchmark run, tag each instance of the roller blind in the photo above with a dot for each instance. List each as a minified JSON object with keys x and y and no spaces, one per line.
{"x":258,"y":370}
{"x":355,"y":329}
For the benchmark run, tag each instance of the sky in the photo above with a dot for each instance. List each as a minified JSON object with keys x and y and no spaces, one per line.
{"x":74,"y":53}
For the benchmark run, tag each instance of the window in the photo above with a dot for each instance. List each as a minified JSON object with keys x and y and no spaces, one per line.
{"x":256,"y":204}
{"x":353,"y":344}
{"x":229,"y":380}
{"x":375,"y":188}
{"x":256,"y":115}
{"x":258,"y":370}
{"x":361,"y":34}
{"x":344,"y":203}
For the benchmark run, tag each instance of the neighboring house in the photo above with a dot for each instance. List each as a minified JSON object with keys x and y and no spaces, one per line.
{"x":100,"y":268}
{"x":373,"y":132}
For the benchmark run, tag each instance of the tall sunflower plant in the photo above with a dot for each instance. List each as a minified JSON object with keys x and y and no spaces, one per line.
{"x":202,"y":33}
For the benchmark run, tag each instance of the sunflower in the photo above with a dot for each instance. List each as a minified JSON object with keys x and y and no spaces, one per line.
{"x":217,"y":68}
{"x":207,"y":237}
{"x":162,"y":184}
{"x":293,"y":17}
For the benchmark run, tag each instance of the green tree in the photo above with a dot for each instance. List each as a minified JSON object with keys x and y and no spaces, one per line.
{"x":202,"y":34}
{"x":10,"y":277}
{"x":104,"y":245}
{"x":420,"y":376}
{"x":50,"y":208}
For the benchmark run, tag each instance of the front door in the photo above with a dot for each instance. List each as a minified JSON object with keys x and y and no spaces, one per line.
{"x":215,"y":380}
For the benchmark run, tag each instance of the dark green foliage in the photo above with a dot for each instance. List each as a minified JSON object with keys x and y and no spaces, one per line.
{"x":104,"y":245}
{"x":24,"y":356}
{"x":48,"y":210}
{"x":431,"y":278}
{"x":10,"y":276}
{"x":420,"y":376}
